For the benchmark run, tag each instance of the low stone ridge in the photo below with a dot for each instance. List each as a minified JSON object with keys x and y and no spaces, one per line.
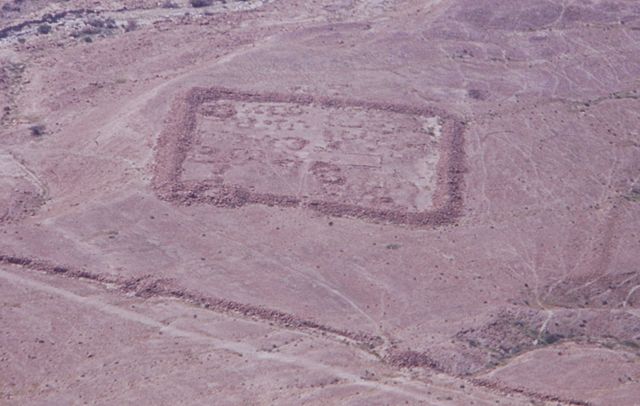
{"x":331,"y":192}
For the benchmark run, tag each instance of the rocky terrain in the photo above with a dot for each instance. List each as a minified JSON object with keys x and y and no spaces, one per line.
{"x":320,"y":202}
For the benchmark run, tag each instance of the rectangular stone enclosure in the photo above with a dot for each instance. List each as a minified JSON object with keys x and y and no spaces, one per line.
{"x":376,"y":161}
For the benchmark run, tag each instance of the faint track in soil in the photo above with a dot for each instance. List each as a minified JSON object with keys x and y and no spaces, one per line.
{"x":234,"y":346}
{"x":28,"y":202}
{"x":41,"y":185}
{"x":147,"y":287}
{"x":528,"y":393}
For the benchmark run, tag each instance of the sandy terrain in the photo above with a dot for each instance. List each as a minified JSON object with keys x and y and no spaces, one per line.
{"x":320,"y":202}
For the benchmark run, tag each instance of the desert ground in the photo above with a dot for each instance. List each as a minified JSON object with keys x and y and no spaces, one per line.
{"x":322,"y":202}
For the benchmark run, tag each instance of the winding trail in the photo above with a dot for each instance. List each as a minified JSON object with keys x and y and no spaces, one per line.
{"x":405,"y":388}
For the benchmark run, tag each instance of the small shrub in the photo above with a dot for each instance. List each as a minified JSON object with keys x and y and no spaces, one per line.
{"x":37,"y":130}
{"x":88,"y":30}
{"x":44,"y":29}
{"x":169,"y":4}
{"x":110,"y":23}
{"x":132,"y":25}
{"x":96,"y":22}
{"x":549,"y":338}
{"x":9,"y":7}
{"x":634,"y":195}
{"x":201,"y":3}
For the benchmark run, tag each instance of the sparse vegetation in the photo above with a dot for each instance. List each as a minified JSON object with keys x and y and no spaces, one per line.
{"x":44,"y":29}
{"x":201,"y":3}
{"x":89,"y":30}
{"x":132,"y":25}
{"x":634,"y":194}
{"x":108,"y":23}
{"x":169,"y":4}
{"x":548,"y":338}
{"x":96,"y":22}
{"x":95,"y":26}
{"x":10,"y":7}
{"x":37,"y":130}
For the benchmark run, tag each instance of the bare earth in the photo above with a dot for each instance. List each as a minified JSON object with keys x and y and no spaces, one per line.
{"x":360,"y":202}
